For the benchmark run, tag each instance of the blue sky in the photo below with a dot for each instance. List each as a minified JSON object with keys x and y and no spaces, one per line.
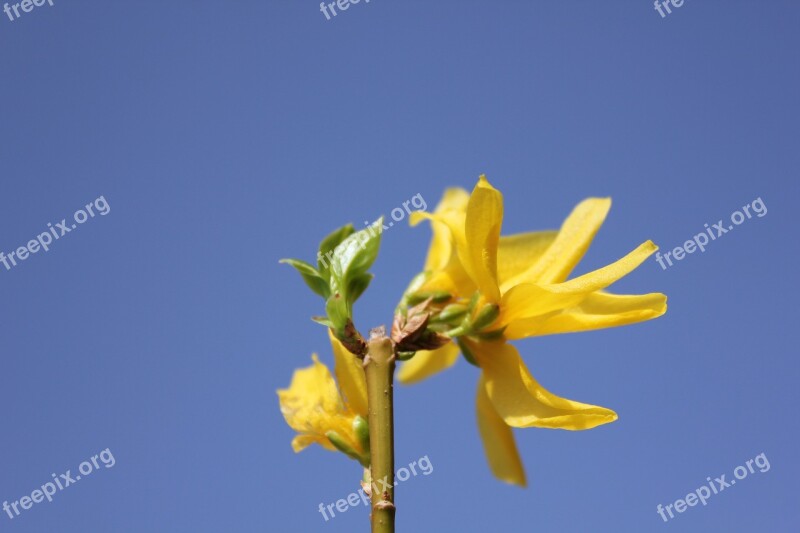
{"x":225,"y":136}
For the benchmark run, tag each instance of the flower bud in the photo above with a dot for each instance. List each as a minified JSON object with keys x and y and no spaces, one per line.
{"x":340,"y":444}
{"x":361,"y":430}
{"x":485,"y":317}
{"x":451,"y":313}
{"x":466,"y":352}
{"x":436,"y":297}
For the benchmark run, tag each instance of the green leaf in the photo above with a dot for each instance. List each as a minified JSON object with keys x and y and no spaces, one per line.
{"x":358,"y":285}
{"x":322,"y":320}
{"x":338,"y":314}
{"x":348,"y":268}
{"x":328,"y":246}
{"x":355,"y":254}
{"x":310,"y":275}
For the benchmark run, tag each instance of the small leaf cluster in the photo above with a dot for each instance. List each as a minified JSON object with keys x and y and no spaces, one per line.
{"x":341,"y":275}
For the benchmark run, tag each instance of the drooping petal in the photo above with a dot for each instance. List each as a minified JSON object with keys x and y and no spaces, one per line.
{"x":522,"y":402}
{"x":350,"y":375}
{"x":427,"y":363}
{"x":570,"y":245}
{"x":498,"y":441}
{"x":530,"y":300}
{"x":478,"y":252}
{"x":596,"y":311}
{"x":516,"y":253}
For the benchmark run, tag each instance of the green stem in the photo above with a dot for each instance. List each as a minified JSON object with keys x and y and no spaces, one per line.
{"x":379,"y":369}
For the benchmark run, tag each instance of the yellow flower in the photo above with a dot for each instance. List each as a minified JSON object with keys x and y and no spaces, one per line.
{"x":333,"y":417}
{"x":522,"y":280}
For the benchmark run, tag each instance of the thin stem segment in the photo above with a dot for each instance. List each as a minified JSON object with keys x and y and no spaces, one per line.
{"x":379,"y":369}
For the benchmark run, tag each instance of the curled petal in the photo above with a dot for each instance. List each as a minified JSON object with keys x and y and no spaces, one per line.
{"x":447,"y":272}
{"x":453,"y":204}
{"x":478,"y":252}
{"x":476,"y":235}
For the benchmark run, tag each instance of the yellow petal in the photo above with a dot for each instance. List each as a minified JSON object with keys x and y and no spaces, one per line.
{"x":312,"y":390}
{"x":454,"y":200}
{"x":474,"y":265}
{"x":350,"y":375}
{"x":312,"y":406}
{"x":530,"y":300}
{"x":517,"y":253}
{"x":498,"y":441}
{"x":570,"y":245}
{"x":446,"y":272}
{"x":427,"y":363}
{"x":301,"y":442}
{"x":478,"y":252}
{"x":596,"y":311}
{"x":522,"y":402}
{"x":451,"y":276}
{"x":603,"y":277}
{"x":453,"y":280}
{"x":453,"y":204}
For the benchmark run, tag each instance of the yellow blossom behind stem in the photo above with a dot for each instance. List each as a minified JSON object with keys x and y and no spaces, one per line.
{"x":314,"y":406}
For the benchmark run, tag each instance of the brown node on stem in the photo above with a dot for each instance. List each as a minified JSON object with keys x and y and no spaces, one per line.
{"x":352,"y":340}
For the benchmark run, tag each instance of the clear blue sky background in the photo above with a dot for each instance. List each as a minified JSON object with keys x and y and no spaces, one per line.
{"x":225,"y":136}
